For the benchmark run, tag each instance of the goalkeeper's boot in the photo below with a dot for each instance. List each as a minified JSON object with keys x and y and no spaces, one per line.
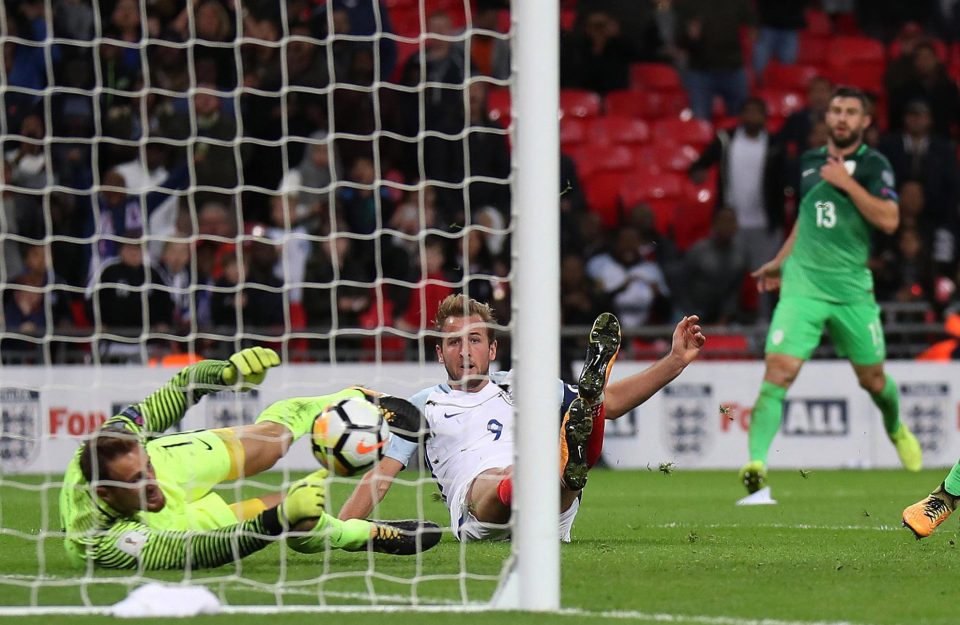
{"x":403,"y":417}
{"x":924,"y":516}
{"x":754,"y":476}
{"x":403,"y":538}
{"x":574,"y":434}
{"x":908,"y":448}
{"x":602,"y":350}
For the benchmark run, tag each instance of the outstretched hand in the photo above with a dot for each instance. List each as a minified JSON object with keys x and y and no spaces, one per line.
{"x":767,"y":276}
{"x":305,"y":498}
{"x":249,"y":366}
{"x":688,"y":338}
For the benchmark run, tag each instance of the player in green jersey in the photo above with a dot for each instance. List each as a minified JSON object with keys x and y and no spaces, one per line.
{"x":132,"y":498}
{"x":846,"y":191}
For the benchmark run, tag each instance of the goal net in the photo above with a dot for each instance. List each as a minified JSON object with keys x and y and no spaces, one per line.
{"x":182,"y":180}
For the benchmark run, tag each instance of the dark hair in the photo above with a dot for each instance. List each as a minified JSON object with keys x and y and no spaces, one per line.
{"x":101,"y":449}
{"x":852,"y":92}
{"x":760,"y":103}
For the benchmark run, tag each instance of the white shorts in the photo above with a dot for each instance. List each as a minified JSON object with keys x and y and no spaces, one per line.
{"x":468,"y":528}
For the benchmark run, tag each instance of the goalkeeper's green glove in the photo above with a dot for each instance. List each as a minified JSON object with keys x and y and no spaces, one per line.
{"x":249,"y":366}
{"x":305,"y":498}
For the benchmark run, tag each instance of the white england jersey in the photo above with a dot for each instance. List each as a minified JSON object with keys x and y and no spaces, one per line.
{"x":469,"y":433}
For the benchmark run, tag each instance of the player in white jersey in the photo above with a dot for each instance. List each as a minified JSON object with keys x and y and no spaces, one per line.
{"x":469,"y":419}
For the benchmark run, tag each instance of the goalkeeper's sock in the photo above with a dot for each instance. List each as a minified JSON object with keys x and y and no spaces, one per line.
{"x":297,"y":414}
{"x":888,"y":401}
{"x":505,"y":491}
{"x":349,"y":535}
{"x":765,"y":420}
{"x":952,"y":483}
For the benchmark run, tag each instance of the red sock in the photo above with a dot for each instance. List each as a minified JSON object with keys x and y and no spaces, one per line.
{"x":505,"y":491}
{"x":595,"y":442}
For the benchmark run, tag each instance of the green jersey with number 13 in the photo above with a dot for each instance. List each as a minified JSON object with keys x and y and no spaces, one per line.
{"x":829,"y":256}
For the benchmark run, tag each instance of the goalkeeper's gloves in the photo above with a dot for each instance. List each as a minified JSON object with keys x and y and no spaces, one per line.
{"x":403,"y":417}
{"x":249,"y":366}
{"x":305,"y":499}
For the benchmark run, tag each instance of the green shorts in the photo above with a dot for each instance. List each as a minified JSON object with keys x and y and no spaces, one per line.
{"x":188,"y":466}
{"x":798,"y":322}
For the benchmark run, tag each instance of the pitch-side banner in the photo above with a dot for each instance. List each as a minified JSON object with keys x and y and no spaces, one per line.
{"x":699,"y":421}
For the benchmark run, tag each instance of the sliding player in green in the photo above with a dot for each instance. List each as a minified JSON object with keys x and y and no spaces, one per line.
{"x":847,"y":191}
{"x":132,"y":498}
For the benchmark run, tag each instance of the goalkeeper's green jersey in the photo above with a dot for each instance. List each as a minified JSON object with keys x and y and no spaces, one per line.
{"x":167,"y":539}
{"x":829,"y":256}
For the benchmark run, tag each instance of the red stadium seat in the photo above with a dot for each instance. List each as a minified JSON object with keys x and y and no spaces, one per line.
{"x":616,"y":129}
{"x":647,"y":105}
{"x":855,"y":50}
{"x":726,"y":347}
{"x":695,"y":132}
{"x":579,"y":103}
{"x":818,"y":23}
{"x":498,"y":106}
{"x":602,"y":191}
{"x":597,"y":157}
{"x":780,"y":102}
{"x":676,"y":157}
{"x":660,"y":191}
{"x":894,"y":50}
{"x":868,"y":76}
{"x":813,"y":49}
{"x":694,"y":213}
{"x":573,"y":132}
{"x":654,"y":77}
{"x":793,"y":77}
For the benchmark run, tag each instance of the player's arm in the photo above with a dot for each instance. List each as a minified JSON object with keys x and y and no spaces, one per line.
{"x":130,"y":544}
{"x":622,"y":396}
{"x":768,"y":274}
{"x":371,"y":490}
{"x":883,"y":213}
{"x":167,"y":405}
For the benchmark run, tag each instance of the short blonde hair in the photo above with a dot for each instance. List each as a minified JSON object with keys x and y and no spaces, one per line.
{"x":460,"y":305}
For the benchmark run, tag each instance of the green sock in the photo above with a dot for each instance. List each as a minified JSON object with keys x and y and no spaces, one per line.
{"x":952,"y":483}
{"x":297,"y":414}
{"x":765,"y":420}
{"x":888,"y":401}
{"x":350,"y":535}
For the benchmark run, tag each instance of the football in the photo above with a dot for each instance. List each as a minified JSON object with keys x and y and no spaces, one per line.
{"x":350,"y":436}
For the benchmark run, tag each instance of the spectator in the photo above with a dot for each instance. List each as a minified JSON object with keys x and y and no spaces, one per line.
{"x":795,"y":133}
{"x":900,"y":68}
{"x":249,"y":297}
{"x":488,"y":152}
{"x":714,"y":270}
{"x":288,"y":232}
{"x":598,"y":60}
{"x":916,"y":154}
{"x":314,"y":175}
{"x":122,"y":299}
{"x":10,"y":254}
{"x":73,"y":19}
{"x":30,"y":170}
{"x":489,"y":53}
{"x":581,"y":301}
{"x":751,"y":181}
{"x":708,"y":41}
{"x":331,"y":299}
{"x":366,"y":203}
{"x":906,"y":273}
{"x":34,"y":301}
{"x":780,"y":24}
{"x":431,"y":287}
{"x":363,"y":19}
{"x":929,"y":81}
{"x":25,"y":64}
{"x":631,"y":282}
{"x":212,"y":24}
{"x":173,"y":272}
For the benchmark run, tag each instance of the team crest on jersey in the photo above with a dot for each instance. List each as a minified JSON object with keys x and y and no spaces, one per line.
{"x":887,"y":177}
{"x":687,"y":407}
{"x":20,"y":430}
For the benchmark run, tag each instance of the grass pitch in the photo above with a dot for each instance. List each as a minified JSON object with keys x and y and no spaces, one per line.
{"x":648,"y":547}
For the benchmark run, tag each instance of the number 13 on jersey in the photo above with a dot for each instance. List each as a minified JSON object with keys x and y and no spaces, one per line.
{"x":826,"y":215}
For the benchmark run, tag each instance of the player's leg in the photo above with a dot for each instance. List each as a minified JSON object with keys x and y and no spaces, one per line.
{"x":858,"y":335}
{"x":795,"y":331}
{"x":490,"y":496}
{"x":924,"y":516}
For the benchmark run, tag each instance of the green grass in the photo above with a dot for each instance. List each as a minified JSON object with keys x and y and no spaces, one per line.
{"x":644,"y":542}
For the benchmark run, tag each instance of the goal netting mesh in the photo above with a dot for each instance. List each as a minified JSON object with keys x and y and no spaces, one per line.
{"x":184,"y":179}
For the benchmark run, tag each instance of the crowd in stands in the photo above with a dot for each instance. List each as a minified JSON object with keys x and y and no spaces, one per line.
{"x":245,"y":170}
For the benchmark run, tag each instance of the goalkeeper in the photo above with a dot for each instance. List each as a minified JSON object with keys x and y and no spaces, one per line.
{"x":134,"y":499}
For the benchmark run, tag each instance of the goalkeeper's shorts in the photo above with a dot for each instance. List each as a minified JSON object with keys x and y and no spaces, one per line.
{"x":188,"y":466}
